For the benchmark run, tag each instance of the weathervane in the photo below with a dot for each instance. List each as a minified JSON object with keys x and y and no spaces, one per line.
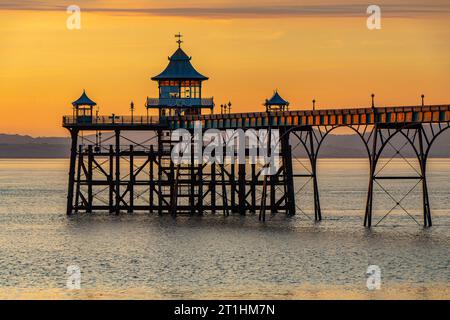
{"x":179,"y":41}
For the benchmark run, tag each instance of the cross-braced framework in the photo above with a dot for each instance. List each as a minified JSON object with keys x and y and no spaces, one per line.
{"x":310,"y":139}
{"x":420,"y":138}
{"x":118,"y":174}
{"x":376,"y":138}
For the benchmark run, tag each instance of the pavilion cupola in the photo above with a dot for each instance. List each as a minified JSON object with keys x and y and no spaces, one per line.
{"x":180,"y":87}
{"x":276,"y":103}
{"x":83,"y":107}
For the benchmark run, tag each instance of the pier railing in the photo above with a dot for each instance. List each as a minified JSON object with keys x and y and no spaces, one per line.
{"x":111,"y":120}
{"x":330,"y":117}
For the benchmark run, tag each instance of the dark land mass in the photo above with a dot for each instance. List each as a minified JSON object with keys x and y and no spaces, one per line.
{"x":335,"y":146}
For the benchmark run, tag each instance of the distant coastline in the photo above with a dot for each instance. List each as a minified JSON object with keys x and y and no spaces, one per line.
{"x":336,"y":146}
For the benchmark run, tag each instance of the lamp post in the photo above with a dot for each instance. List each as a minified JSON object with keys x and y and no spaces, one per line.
{"x":97,"y":110}
{"x":314,"y":104}
{"x":373,"y":101}
{"x":229,"y":107}
{"x":423,"y":100}
{"x":132,"y":111}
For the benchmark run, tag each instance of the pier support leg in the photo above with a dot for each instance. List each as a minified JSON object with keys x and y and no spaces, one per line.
{"x":233,"y":186}
{"x":313,"y":160}
{"x":212,"y":186}
{"x":288,"y":175}
{"x":373,"y":164}
{"x":160,"y":172}
{"x":131,"y":182}
{"x":423,"y":168}
{"x":152,"y":183}
{"x":241,"y":194}
{"x":253,"y":186}
{"x":89,"y":179}
{"x":118,"y":197}
{"x":78,"y":180}
{"x":111,"y":179}
{"x":73,"y":156}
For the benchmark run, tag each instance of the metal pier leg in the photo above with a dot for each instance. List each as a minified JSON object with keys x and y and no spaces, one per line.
{"x":118,"y":197}
{"x":224,"y":187}
{"x":90,"y":179}
{"x":200,"y":183}
{"x":174,"y":188}
{"x":132,"y":181}
{"x":212,"y":186}
{"x":73,"y":157}
{"x":288,"y":175}
{"x":111,"y":179}
{"x":152,"y":184}
{"x":160,"y":173}
{"x":78,"y":181}
{"x":253,"y":188}
{"x":273,"y":200}
{"x":241,"y":194}
{"x":373,"y":164}
{"x":193,"y":178}
{"x":313,"y":160}
{"x":262,"y":210}
{"x":233,"y":186}
{"x":423,"y":168}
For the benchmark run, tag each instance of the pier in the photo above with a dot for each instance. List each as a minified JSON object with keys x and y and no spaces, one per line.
{"x":108,"y":175}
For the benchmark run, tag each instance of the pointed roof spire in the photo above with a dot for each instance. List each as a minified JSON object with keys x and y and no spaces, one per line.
{"x":276,"y":100}
{"x":84,"y":100}
{"x":180,"y":67}
{"x":179,"y":41}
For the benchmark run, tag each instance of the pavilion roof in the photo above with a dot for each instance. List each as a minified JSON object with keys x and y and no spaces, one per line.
{"x":276,"y":100}
{"x":180,"y":68}
{"x":84,"y":100}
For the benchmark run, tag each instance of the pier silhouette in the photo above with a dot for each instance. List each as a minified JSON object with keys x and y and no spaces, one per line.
{"x":142,"y":176}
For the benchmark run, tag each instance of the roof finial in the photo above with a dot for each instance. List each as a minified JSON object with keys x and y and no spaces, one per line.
{"x":179,"y":41}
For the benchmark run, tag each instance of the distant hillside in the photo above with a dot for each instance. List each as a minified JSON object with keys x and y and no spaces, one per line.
{"x":335,"y":146}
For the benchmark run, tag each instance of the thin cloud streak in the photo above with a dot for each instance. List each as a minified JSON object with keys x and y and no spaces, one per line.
{"x":265,"y":11}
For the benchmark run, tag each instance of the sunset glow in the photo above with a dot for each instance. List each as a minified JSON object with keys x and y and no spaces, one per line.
{"x":327,"y":54}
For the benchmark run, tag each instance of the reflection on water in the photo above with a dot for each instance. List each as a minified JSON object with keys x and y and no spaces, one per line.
{"x":146,"y":256}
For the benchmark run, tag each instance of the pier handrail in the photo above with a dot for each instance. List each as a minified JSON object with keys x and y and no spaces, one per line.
{"x":110,"y":120}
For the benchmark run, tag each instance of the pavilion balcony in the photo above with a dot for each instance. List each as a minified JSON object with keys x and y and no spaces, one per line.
{"x":180,"y":102}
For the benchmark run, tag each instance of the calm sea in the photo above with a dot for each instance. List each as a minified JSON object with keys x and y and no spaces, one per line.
{"x":147,"y":256}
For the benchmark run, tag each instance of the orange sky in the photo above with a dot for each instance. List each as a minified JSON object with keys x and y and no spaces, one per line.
{"x":329,"y":56}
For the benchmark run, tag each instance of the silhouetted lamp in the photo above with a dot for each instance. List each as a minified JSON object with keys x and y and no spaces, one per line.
{"x":132,"y":110}
{"x":373,"y":101}
{"x":229,"y":107}
{"x":423,"y":99}
{"x":314,"y":104}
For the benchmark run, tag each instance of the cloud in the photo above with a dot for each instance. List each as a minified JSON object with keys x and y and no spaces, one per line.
{"x":265,"y":10}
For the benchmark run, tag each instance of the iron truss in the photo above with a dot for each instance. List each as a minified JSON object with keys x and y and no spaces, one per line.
{"x":115,"y":177}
